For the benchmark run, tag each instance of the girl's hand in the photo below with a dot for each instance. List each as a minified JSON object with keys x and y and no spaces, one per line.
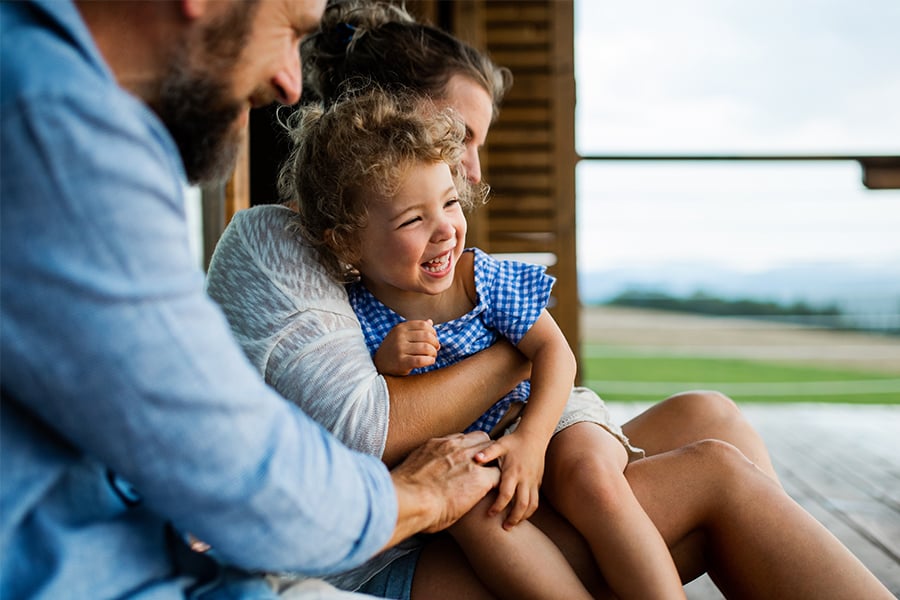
{"x":408,"y":346}
{"x":522,"y":468}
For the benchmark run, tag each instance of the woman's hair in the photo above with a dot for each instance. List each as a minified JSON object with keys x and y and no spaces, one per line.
{"x":380,"y":42}
{"x":361,"y":147}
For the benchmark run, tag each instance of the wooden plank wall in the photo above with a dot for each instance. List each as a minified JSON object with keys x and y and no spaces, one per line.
{"x":530,"y":157}
{"x":530,"y":152}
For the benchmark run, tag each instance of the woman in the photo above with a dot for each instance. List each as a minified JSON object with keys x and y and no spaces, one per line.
{"x":361,"y":40}
{"x":716,"y":502}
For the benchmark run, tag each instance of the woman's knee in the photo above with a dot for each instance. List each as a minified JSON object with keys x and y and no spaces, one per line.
{"x":721,"y":460}
{"x":708,"y":405}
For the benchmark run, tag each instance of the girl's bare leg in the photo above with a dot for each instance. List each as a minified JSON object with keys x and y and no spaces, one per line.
{"x":443,"y":573}
{"x":519,"y":563}
{"x":693,"y":416}
{"x":584,"y":480}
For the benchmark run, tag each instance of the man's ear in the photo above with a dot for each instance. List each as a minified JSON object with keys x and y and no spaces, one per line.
{"x":194,"y":9}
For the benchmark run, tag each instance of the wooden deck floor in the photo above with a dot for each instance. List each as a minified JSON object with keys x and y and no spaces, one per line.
{"x":842,"y":464}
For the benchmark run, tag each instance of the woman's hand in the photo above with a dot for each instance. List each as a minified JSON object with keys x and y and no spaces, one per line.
{"x":409,"y":345}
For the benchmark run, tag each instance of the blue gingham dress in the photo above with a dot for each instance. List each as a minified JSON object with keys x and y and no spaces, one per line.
{"x":511,"y":295}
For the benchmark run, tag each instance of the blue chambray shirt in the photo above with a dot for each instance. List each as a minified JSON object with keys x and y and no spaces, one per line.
{"x":126,"y":404}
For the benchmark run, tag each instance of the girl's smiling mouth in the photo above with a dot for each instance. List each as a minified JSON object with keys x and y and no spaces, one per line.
{"x":439,"y":265}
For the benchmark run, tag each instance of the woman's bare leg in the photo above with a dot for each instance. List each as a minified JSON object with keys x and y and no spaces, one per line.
{"x":584,"y":480}
{"x":759,"y":542}
{"x":693,"y":416}
{"x":518,"y":563}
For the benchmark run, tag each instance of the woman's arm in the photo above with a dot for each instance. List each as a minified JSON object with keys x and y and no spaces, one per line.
{"x":298,"y":329}
{"x":448,"y":400}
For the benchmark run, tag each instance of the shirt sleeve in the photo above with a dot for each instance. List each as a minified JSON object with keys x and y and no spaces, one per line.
{"x":297,"y":328}
{"x":109,"y":338}
{"x":515,"y":293}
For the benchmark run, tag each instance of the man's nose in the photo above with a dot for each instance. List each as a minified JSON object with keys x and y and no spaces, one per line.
{"x":288,"y":81}
{"x":472,"y":165}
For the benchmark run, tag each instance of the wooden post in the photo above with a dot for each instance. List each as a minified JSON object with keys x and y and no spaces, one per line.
{"x":221,"y":200}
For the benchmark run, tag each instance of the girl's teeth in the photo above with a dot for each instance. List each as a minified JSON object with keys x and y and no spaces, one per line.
{"x":437,"y":264}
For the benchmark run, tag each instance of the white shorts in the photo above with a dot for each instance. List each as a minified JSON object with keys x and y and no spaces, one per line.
{"x":585,"y":406}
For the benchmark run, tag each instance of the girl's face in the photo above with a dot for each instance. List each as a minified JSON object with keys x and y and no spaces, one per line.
{"x":473,"y":103}
{"x":412,"y":241}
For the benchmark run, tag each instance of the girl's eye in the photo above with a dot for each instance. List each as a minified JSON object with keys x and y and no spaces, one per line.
{"x":410,"y":221}
{"x":451,"y":202}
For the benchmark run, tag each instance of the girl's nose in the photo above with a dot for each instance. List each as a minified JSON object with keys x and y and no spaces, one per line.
{"x":444,"y":230}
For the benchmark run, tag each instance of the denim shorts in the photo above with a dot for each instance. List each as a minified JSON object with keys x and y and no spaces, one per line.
{"x":395,"y":580}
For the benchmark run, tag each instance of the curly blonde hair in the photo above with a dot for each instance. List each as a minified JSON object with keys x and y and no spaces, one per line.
{"x":361,"y":147}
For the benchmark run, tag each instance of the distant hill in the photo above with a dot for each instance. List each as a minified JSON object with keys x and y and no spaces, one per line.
{"x":870,"y":295}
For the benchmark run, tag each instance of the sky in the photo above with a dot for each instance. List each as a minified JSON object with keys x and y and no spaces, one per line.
{"x":806,"y":77}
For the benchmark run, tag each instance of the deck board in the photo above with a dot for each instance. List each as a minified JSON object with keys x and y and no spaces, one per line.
{"x":842,"y":464}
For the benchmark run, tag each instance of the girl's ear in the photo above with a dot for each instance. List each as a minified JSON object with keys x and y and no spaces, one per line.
{"x":342,"y":243}
{"x":330,"y":238}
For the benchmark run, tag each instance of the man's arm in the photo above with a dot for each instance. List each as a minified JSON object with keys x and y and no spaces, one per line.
{"x":109,"y":339}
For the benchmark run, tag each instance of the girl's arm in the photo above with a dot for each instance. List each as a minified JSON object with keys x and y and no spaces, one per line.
{"x":552,"y":377}
{"x":448,"y":400}
{"x":522,"y":453}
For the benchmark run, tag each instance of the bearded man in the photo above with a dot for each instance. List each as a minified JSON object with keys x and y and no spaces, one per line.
{"x":130,"y":418}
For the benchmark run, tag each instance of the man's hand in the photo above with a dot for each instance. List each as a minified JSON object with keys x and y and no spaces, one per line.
{"x":439,"y":482}
{"x":409,"y":345}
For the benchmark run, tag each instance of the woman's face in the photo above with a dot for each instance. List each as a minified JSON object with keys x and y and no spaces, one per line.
{"x":473,"y":103}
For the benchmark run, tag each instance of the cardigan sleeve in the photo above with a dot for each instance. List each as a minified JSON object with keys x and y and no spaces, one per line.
{"x":296,"y":326}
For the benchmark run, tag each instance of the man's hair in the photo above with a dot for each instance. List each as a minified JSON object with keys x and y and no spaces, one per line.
{"x":380,"y":42}
{"x":361,"y":147}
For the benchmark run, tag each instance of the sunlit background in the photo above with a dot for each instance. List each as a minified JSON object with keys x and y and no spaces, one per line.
{"x":805,"y":78}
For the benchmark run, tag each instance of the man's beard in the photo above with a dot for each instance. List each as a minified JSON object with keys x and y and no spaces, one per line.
{"x":196,"y":105}
{"x":196,"y":110}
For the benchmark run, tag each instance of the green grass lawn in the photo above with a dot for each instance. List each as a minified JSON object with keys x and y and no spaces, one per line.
{"x":620,"y":375}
